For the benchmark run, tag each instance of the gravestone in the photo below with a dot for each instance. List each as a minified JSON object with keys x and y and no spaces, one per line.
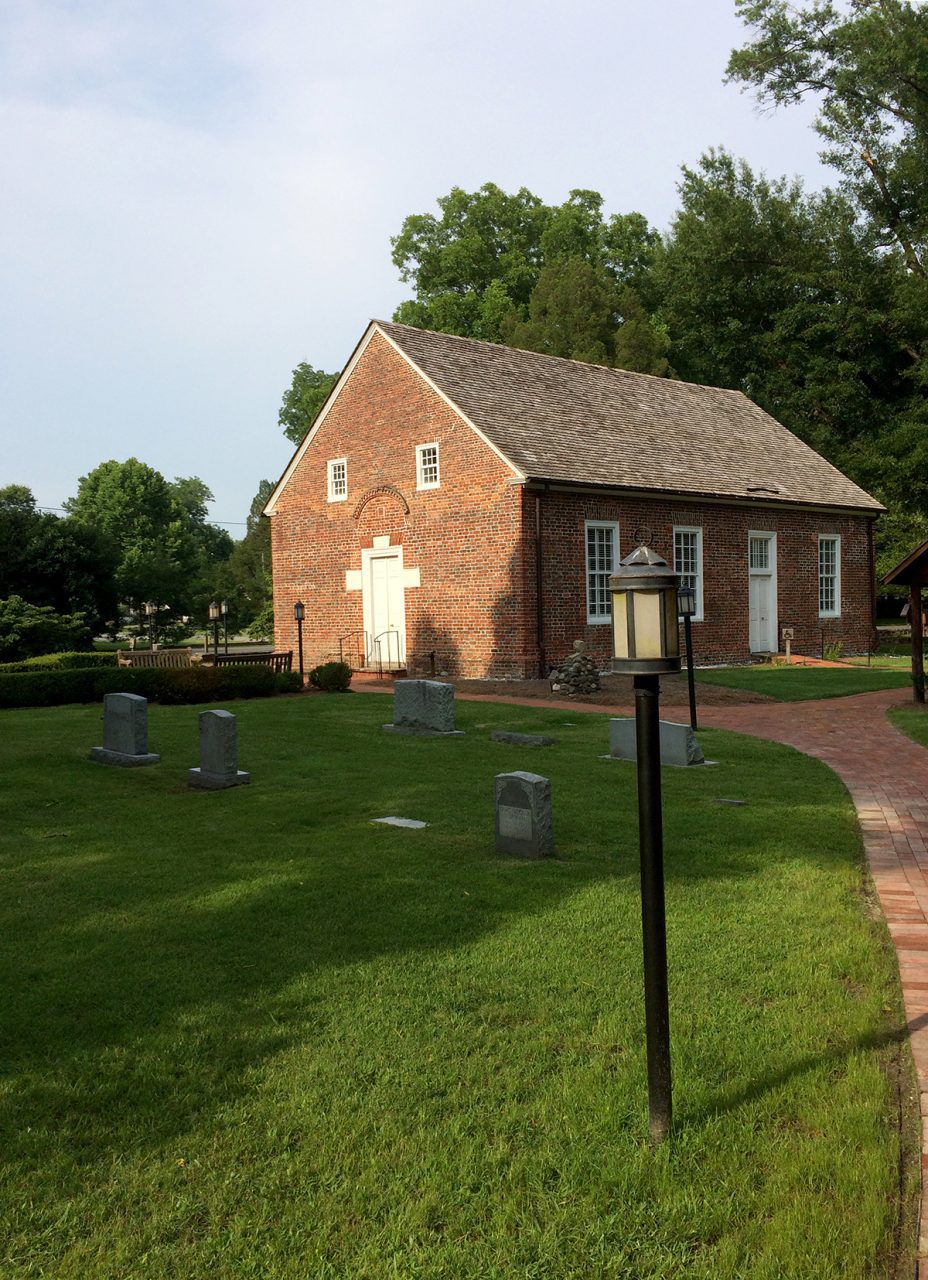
{"x":423,"y":706}
{"x":523,"y":739}
{"x":678,"y":742}
{"x":523,"y":815}
{"x":125,"y":732}
{"x":218,"y":754}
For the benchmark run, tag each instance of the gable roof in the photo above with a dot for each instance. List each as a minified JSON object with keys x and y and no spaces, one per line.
{"x":563,"y":420}
{"x":567,"y":422}
{"x":912,"y":570}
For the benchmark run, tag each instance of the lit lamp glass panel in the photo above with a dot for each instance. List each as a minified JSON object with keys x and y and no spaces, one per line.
{"x":647,"y":607}
{"x":620,"y":624}
{"x":671,"y":628}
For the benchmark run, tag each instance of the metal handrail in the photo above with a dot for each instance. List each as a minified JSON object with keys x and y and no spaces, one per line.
{"x":360,"y":649}
{"x":390,"y":631}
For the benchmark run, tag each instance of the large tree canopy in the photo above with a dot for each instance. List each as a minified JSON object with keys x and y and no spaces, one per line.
{"x":303,"y":399}
{"x":53,"y":563}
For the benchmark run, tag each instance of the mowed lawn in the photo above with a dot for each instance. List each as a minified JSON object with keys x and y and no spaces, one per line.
{"x":249,"y":1034}
{"x":799,"y":684}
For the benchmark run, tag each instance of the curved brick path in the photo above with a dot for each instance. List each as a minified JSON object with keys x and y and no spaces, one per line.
{"x":887,"y":776}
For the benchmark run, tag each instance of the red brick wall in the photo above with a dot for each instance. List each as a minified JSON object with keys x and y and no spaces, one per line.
{"x":464,"y":537}
{"x":723,"y":635}
{"x":473,"y":542}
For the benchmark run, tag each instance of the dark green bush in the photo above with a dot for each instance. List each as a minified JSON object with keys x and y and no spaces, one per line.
{"x":332,"y":677}
{"x":27,"y":629}
{"x":48,"y":688}
{"x":61,"y":661}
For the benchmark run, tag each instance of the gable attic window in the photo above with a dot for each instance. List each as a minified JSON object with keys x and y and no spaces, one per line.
{"x":602,"y":544}
{"x":427,"y":475}
{"x":338,"y":480}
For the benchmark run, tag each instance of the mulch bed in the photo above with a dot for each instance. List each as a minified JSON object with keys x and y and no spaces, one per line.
{"x":615,"y":691}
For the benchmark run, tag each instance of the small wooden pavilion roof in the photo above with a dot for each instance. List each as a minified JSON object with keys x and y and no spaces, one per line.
{"x":912,"y":571}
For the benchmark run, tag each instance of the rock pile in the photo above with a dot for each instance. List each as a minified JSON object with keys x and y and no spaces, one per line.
{"x":576,"y":674}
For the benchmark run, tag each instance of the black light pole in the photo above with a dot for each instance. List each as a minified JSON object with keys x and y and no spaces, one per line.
{"x":647,"y":644}
{"x":150,"y":610}
{"x":686,"y":603}
{"x":214,"y":619}
{"x":299,"y":613}
{"x":224,"y":610}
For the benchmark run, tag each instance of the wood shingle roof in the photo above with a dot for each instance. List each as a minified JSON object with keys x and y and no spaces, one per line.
{"x":568,"y":422}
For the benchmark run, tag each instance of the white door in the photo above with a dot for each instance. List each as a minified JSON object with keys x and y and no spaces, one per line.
{"x":762,"y":593}
{"x":387,"y":611}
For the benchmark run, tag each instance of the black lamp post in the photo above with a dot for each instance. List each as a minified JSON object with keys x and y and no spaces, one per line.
{"x":150,"y":610}
{"x":224,"y":610}
{"x":214,"y":619}
{"x":299,"y":613}
{"x":686,"y":603}
{"x":647,"y":644}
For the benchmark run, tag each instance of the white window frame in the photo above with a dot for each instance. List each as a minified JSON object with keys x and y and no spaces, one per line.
{"x":334,"y":495}
{"x":836,"y":611}
{"x":422,"y":483}
{"x":699,"y":615}
{"x":599,"y":619}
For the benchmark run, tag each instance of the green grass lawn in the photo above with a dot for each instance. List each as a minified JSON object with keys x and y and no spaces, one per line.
{"x":249,"y":1034}
{"x":798,"y":684}
{"x":912,"y":720}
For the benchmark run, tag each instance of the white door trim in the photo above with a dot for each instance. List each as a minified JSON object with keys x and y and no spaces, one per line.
{"x":768,"y":643}
{"x":368,"y":556}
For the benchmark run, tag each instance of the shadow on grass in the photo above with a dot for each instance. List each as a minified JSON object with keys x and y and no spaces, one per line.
{"x":160,"y":945}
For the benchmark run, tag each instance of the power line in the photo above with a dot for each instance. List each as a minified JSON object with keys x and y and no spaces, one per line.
{"x":243,"y":523}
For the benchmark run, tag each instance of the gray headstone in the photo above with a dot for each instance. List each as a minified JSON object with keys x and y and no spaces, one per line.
{"x":125,"y":732}
{"x":422,"y":706}
{"x":678,"y":742}
{"x":523,"y":815}
{"x":218,"y":753}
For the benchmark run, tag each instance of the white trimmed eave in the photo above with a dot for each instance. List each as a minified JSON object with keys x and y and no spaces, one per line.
{"x":374,"y":328}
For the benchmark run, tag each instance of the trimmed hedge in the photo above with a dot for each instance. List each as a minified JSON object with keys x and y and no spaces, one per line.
{"x":61,"y":661}
{"x":52,"y":688}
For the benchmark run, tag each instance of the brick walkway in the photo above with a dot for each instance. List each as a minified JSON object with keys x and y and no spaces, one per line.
{"x":887,"y":776}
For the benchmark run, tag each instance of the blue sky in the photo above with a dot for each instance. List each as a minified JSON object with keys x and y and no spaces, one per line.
{"x":198,"y":196}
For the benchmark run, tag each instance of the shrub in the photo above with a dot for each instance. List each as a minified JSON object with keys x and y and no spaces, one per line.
{"x":61,"y":661}
{"x":48,"y":688}
{"x":332,"y":677}
{"x":27,"y":629}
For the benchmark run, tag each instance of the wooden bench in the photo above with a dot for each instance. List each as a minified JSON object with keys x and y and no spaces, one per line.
{"x":153,"y":658}
{"x":277,"y":662}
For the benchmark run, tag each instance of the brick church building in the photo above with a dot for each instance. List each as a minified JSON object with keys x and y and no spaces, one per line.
{"x":459,"y":506}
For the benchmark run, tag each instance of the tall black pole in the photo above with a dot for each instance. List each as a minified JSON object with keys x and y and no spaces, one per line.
{"x":688,"y":633}
{"x":654,"y":934}
{"x":216,"y":637}
{"x":299,"y":644}
{"x":225,"y":632}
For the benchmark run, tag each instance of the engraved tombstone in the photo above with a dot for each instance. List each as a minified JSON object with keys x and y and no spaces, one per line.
{"x":125,"y":732}
{"x":523,"y":815}
{"x":218,"y":754}
{"x":679,"y":745}
{"x":423,"y":706}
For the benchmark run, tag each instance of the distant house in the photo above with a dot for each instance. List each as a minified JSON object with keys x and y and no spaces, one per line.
{"x":463,"y":504}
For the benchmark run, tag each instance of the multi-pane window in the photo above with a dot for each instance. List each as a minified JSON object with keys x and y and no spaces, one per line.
{"x":687,"y":562}
{"x":427,"y":476}
{"x":759,"y":553}
{"x":829,"y":575}
{"x":338,"y":479}
{"x":602,"y":543}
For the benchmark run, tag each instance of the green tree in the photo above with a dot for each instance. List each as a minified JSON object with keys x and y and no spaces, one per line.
{"x":867,"y":67}
{"x":245,"y":578}
{"x":159,"y":541}
{"x":55,"y":563}
{"x":303,"y":399}
{"x":572,"y":312}
{"x":27,"y":630}
{"x":477,"y":266}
